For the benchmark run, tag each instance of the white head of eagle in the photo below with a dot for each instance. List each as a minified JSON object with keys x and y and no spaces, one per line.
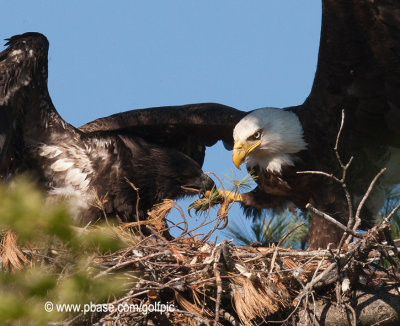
{"x":267,"y":138}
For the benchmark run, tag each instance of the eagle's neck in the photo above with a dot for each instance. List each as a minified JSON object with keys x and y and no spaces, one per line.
{"x":40,"y":120}
{"x":272,"y":163}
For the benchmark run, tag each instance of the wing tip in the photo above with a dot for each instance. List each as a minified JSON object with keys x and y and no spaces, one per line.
{"x":33,"y":36}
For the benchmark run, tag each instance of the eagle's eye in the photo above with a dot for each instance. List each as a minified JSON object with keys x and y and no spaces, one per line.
{"x":257,"y":135}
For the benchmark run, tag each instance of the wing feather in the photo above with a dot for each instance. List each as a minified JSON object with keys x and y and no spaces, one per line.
{"x":358,"y":70}
{"x":22,"y":64}
{"x":188,"y":128}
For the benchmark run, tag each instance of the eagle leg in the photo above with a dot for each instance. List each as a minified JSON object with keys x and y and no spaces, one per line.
{"x":214,"y":197}
{"x":229,"y":196}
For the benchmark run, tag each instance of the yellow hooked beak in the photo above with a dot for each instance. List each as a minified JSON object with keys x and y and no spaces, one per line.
{"x":240,"y":151}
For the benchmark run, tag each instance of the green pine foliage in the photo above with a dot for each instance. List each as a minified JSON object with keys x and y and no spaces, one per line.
{"x":62,"y":261}
{"x":270,"y":229}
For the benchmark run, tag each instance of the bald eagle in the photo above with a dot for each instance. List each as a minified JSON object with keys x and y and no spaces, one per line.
{"x":88,"y":164}
{"x":359,"y":72}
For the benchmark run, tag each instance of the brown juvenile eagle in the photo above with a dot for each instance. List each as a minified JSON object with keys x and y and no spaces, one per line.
{"x":161,"y":156}
{"x":359,"y":72}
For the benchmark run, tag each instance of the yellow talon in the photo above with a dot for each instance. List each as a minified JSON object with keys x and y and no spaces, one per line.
{"x":230,"y":196}
{"x":214,"y":197}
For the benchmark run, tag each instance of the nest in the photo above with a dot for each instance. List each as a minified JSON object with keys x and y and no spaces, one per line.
{"x":222,"y":284}
{"x":197,"y":278}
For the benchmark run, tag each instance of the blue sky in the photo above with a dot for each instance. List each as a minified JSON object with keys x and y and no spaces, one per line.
{"x":111,"y":56}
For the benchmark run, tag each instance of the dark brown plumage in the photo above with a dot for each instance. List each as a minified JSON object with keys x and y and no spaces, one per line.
{"x":83,"y":166}
{"x":188,"y":128}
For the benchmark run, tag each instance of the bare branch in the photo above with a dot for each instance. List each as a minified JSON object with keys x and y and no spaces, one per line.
{"x":337,"y":141}
{"x":332,"y":220}
{"x":388,"y":218}
{"x":315,"y":280}
{"x":329,"y":175}
{"x":365,"y":197}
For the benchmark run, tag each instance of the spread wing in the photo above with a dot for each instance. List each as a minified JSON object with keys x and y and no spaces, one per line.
{"x":188,"y":128}
{"x":358,"y":71}
{"x":23,"y":74}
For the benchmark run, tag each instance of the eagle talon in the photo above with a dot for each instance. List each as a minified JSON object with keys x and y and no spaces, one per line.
{"x":229,"y":196}
{"x":214,"y":197}
{"x":201,"y":204}
{"x":204,"y":202}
